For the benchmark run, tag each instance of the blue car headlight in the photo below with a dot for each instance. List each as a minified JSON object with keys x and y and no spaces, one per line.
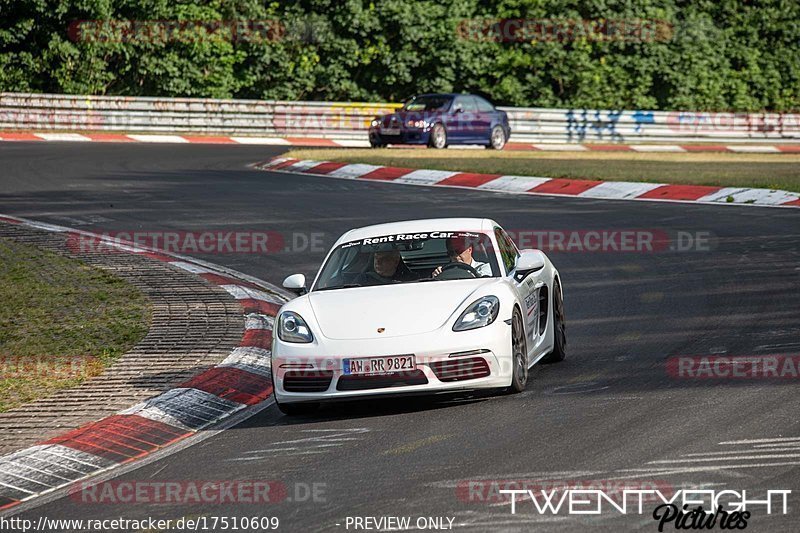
{"x":480,"y":313}
{"x":292,"y":328}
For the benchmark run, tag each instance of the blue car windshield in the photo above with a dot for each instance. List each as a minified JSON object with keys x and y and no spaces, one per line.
{"x":428,"y":103}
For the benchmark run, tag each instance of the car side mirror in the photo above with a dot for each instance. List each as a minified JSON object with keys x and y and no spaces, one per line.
{"x":529,"y":261}
{"x":458,"y":110}
{"x":295,"y":283}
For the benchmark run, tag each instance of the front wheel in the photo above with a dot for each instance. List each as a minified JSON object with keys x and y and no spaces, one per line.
{"x":519,"y":351}
{"x":438,"y":138}
{"x":497,"y":140}
{"x":559,"y":352}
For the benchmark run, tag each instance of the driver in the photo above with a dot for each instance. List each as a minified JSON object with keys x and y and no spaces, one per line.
{"x":388,"y":267}
{"x":460,"y":249}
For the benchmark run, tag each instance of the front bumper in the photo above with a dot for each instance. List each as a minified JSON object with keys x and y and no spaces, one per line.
{"x":487,"y":363}
{"x":405,"y":136}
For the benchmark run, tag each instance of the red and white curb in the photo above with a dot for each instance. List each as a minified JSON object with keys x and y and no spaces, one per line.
{"x":608,"y":190}
{"x":240,"y":381}
{"x":363,"y":143}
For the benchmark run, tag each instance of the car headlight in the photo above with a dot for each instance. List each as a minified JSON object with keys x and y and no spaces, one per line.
{"x":480,"y":313}
{"x":375,"y":123}
{"x":292,"y":328}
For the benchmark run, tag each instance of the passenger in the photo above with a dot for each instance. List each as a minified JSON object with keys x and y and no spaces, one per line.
{"x":387,"y":267}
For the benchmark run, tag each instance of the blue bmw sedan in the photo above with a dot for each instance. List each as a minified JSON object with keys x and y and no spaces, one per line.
{"x":440,"y":120}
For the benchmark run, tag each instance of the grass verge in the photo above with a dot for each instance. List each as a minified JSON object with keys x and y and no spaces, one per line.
{"x":61,"y":322}
{"x":770,"y":171}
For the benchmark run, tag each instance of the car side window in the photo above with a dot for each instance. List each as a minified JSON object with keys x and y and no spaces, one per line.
{"x":508,"y":252}
{"x":467,"y":103}
{"x":483,"y":105}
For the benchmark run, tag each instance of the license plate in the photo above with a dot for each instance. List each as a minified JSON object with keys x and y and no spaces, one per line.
{"x":378,"y":365}
{"x":390,"y":131}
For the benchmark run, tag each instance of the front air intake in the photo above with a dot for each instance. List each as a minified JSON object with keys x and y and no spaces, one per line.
{"x":461,"y":369}
{"x":307,"y":381}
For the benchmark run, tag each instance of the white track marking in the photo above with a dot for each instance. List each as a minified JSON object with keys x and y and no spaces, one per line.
{"x":425,"y":177}
{"x":513,"y":183}
{"x":710,"y":468}
{"x":258,"y":321}
{"x":191,"y":267}
{"x":187,"y":408}
{"x":246,"y":293}
{"x":63,"y":137}
{"x":261,"y":140}
{"x":272,"y":162}
{"x":754,"y":149}
{"x":743,"y":195}
{"x":734,"y":458}
{"x":249,"y":358}
{"x":619,"y":189}
{"x":734,"y":452}
{"x":351,"y":143}
{"x":353,"y":171}
{"x":300,"y":166}
{"x":556,"y":147}
{"x":761,"y":441}
{"x":176,"y":139}
{"x":656,"y":148}
{"x":46,"y":227}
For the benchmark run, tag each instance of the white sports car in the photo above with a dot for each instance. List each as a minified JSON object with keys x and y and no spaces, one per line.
{"x":419,"y":306}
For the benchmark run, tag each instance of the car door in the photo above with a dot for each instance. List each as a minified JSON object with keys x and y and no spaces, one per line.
{"x":486,"y":116}
{"x":527,"y":286}
{"x":459,"y":120}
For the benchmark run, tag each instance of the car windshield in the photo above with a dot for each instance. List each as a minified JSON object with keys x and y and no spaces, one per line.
{"x":428,"y":103}
{"x":409,"y":258}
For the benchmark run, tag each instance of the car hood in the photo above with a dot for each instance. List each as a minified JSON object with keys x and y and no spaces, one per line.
{"x":401,"y":309}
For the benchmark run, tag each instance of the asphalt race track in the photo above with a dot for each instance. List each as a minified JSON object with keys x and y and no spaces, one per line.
{"x":610,"y":412}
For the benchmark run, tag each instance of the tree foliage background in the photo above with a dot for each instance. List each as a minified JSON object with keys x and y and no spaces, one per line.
{"x":714,"y":54}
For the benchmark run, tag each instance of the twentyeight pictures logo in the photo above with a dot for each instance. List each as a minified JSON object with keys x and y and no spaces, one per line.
{"x":683,"y":509}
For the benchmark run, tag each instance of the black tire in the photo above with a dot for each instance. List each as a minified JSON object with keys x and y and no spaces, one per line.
{"x":373,"y":144}
{"x":295,"y":409}
{"x":497,"y":139}
{"x":519,"y":351}
{"x":438,"y":138}
{"x":559,"y":352}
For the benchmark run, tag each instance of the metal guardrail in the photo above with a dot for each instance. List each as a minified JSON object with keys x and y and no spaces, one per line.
{"x":42,"y":112}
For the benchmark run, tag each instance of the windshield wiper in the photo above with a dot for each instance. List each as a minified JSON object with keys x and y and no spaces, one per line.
{"x":345,"y":286}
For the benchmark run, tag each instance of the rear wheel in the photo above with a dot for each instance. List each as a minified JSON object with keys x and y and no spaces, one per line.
{"x":519,"y":351}
{"x":559,"y":327}
{"x":438,"y":138}
{"x":497,"y":140}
